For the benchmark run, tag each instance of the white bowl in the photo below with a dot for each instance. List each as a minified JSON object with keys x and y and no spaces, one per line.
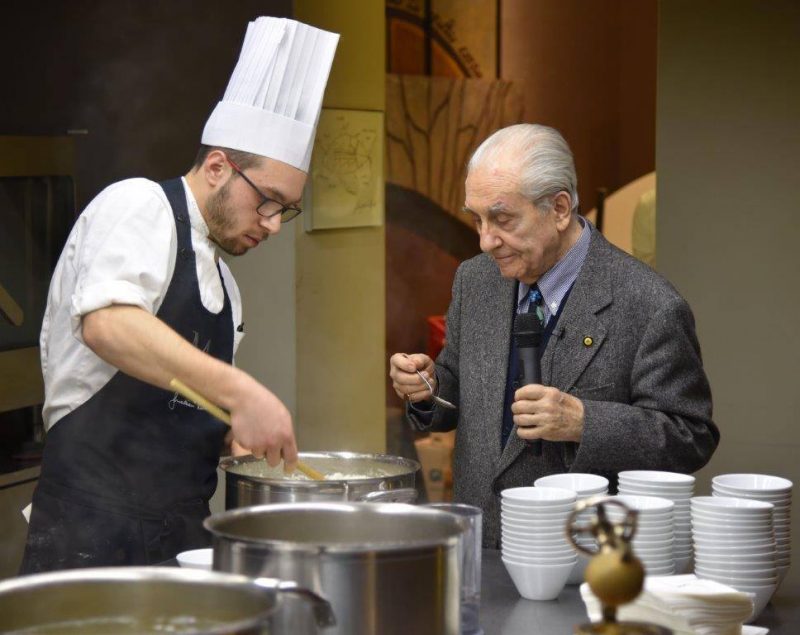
{"x":582,"y":484}
{"x":534,"y":543}
{"x":545,"y":560}
{"x":521,"y":527}
{"x":760,"y":568}
{"x":628,"y":490}
{"x":539,"y":496}
{"x":538,"y":582}
{"x":196,"y":558}
{"x":534,"y":519}
{"x":656,"y":476}
{"x":743,"y":507}
{"x":562,"y":553}
{"x":751,"y":482}
{"x":730,"y":540}
{"x":735,"y":550}
{"x":734,"y":492}
{"x":726,"y":519}
{"x":649,"y":505}
{"x":732,"y":528}
{"x":528,"y":508}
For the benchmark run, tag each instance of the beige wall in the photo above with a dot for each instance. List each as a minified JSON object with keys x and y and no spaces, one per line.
{"x":340,"y":280}
{"x":728,"y":146}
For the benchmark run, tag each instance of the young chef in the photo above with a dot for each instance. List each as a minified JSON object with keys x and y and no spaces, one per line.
{"x":139,"y":296}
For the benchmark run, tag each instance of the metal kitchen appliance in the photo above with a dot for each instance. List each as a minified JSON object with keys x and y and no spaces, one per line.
{"x":386,"y":568}
{"x":362,"y":477}
{"x":144,"y":600}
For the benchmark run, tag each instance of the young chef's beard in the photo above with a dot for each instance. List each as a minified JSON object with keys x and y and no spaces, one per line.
{"x":219,"y":217}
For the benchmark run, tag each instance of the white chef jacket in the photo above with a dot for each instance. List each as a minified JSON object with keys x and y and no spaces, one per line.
{"x":121,"y":251}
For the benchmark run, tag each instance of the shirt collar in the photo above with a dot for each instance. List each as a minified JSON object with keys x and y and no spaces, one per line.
{"x":556,"y":282}
{"x":196,"y":219}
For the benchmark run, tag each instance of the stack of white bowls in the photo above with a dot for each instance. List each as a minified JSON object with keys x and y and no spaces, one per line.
{"x":535,"y":548}
{"x":679,"y":488}
{"x":655,"y":531}
{"x":584,"y":486}
{"x":734,"y":544}
{"x":770,"y":489}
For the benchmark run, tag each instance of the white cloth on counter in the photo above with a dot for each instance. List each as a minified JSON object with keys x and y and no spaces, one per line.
{"x":121,"y":250}
{"x":685,"y":604}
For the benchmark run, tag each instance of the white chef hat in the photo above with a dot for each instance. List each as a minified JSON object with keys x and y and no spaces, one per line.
{"x":272,"y":104}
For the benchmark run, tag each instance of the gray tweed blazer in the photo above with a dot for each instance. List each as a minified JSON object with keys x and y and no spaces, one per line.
{"x":646,"y":397}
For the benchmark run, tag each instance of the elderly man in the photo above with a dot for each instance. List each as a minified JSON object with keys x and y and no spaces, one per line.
{"x":623,"y":385}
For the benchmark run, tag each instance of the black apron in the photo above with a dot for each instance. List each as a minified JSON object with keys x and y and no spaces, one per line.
{"x":126,"y":477}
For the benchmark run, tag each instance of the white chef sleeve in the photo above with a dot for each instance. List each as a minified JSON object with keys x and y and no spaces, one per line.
{"x":125,"y":250}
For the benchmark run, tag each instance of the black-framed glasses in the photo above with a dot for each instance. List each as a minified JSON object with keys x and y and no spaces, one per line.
{"x":268,"y":207}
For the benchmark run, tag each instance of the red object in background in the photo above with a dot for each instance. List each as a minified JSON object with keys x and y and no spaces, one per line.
{"x":436,"y":330}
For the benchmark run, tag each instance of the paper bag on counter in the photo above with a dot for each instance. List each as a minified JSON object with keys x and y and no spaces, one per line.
{"x":435,"y":452}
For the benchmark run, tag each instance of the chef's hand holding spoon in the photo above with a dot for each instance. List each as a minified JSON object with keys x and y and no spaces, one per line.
{"x":262,"y":424}
{"x":414,"y":379}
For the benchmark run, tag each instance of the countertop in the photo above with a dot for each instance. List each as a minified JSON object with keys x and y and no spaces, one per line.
{"x":504,"y":612}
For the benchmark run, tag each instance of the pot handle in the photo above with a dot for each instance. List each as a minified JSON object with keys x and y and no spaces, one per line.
{"x":402,"y":495}
{"x":323,"y":612}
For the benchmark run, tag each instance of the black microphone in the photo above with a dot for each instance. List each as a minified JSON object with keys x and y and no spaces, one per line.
{"x":528,"y":337}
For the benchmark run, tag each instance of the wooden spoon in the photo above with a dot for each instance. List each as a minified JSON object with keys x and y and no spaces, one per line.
{"x":198,"y":399}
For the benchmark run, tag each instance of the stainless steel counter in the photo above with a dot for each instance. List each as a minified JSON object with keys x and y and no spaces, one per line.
{"x":504,"y":612}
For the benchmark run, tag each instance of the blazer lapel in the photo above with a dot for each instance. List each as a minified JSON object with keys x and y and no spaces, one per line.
{"x":494,"y":362}
{"x":580,"y":331}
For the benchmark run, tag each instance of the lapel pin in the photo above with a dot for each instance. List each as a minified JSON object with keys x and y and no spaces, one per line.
{"x":588,"y":341}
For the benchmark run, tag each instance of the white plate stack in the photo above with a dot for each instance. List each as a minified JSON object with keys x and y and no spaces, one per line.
{"x":734,"y":544}
{"x":584,"y":486}
{"x":535,"y":548}
{"x":679,"y":488}
{"x":655,"y":531}
{"x":770,"y":489}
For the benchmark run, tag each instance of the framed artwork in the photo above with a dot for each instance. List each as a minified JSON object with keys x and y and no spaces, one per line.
{"x":345,"y":182}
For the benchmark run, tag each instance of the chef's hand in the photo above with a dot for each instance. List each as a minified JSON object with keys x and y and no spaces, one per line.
{"x":405,"y":381}
{"x":544,"y":412}
{"x":262,"y":424}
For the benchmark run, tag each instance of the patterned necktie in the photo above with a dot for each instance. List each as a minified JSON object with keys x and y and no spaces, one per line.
{"x":535,"y":303}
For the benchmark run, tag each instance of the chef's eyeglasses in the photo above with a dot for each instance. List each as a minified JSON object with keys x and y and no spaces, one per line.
{"x":268,"y":207}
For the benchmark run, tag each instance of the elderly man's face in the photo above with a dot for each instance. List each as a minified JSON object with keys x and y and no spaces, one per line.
{"x":524,"y":241}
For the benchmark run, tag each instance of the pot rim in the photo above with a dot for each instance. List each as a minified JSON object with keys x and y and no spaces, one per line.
{"x":155,"y":574}
{"x":288,"y":546}
{"x":414,"y":466}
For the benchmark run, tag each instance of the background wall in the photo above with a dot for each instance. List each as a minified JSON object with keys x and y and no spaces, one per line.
{"x":340,"y":273}
{"x":589,"y":70}
{"x":728,"y":142}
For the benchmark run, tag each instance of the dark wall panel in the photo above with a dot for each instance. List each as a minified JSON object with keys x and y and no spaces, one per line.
{"x":140,"y":75}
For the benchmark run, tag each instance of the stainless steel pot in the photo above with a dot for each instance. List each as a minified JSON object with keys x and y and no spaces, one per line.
{"x":367,"y":477}
{"x":145,"y":600}
{"x":385,"y":568}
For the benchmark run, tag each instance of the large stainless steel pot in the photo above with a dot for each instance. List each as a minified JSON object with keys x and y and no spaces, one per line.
{"x":387,"y":569}
{"x":146,"y":600}
{"x":367,"y":477}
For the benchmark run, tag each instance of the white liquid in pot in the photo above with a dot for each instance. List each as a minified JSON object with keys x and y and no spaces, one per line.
{"x":260,"y":469}
{"x":123,"y":625}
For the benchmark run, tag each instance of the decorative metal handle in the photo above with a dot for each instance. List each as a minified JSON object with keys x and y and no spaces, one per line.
{"x":601,"y":528}
{"x":323,"y":611}
{"x":401,"y":495}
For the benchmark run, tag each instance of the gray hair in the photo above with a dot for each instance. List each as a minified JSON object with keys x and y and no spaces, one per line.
{"x":546,"y":163}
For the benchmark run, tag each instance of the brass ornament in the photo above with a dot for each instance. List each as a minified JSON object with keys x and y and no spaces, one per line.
{"x":614,"y":573}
